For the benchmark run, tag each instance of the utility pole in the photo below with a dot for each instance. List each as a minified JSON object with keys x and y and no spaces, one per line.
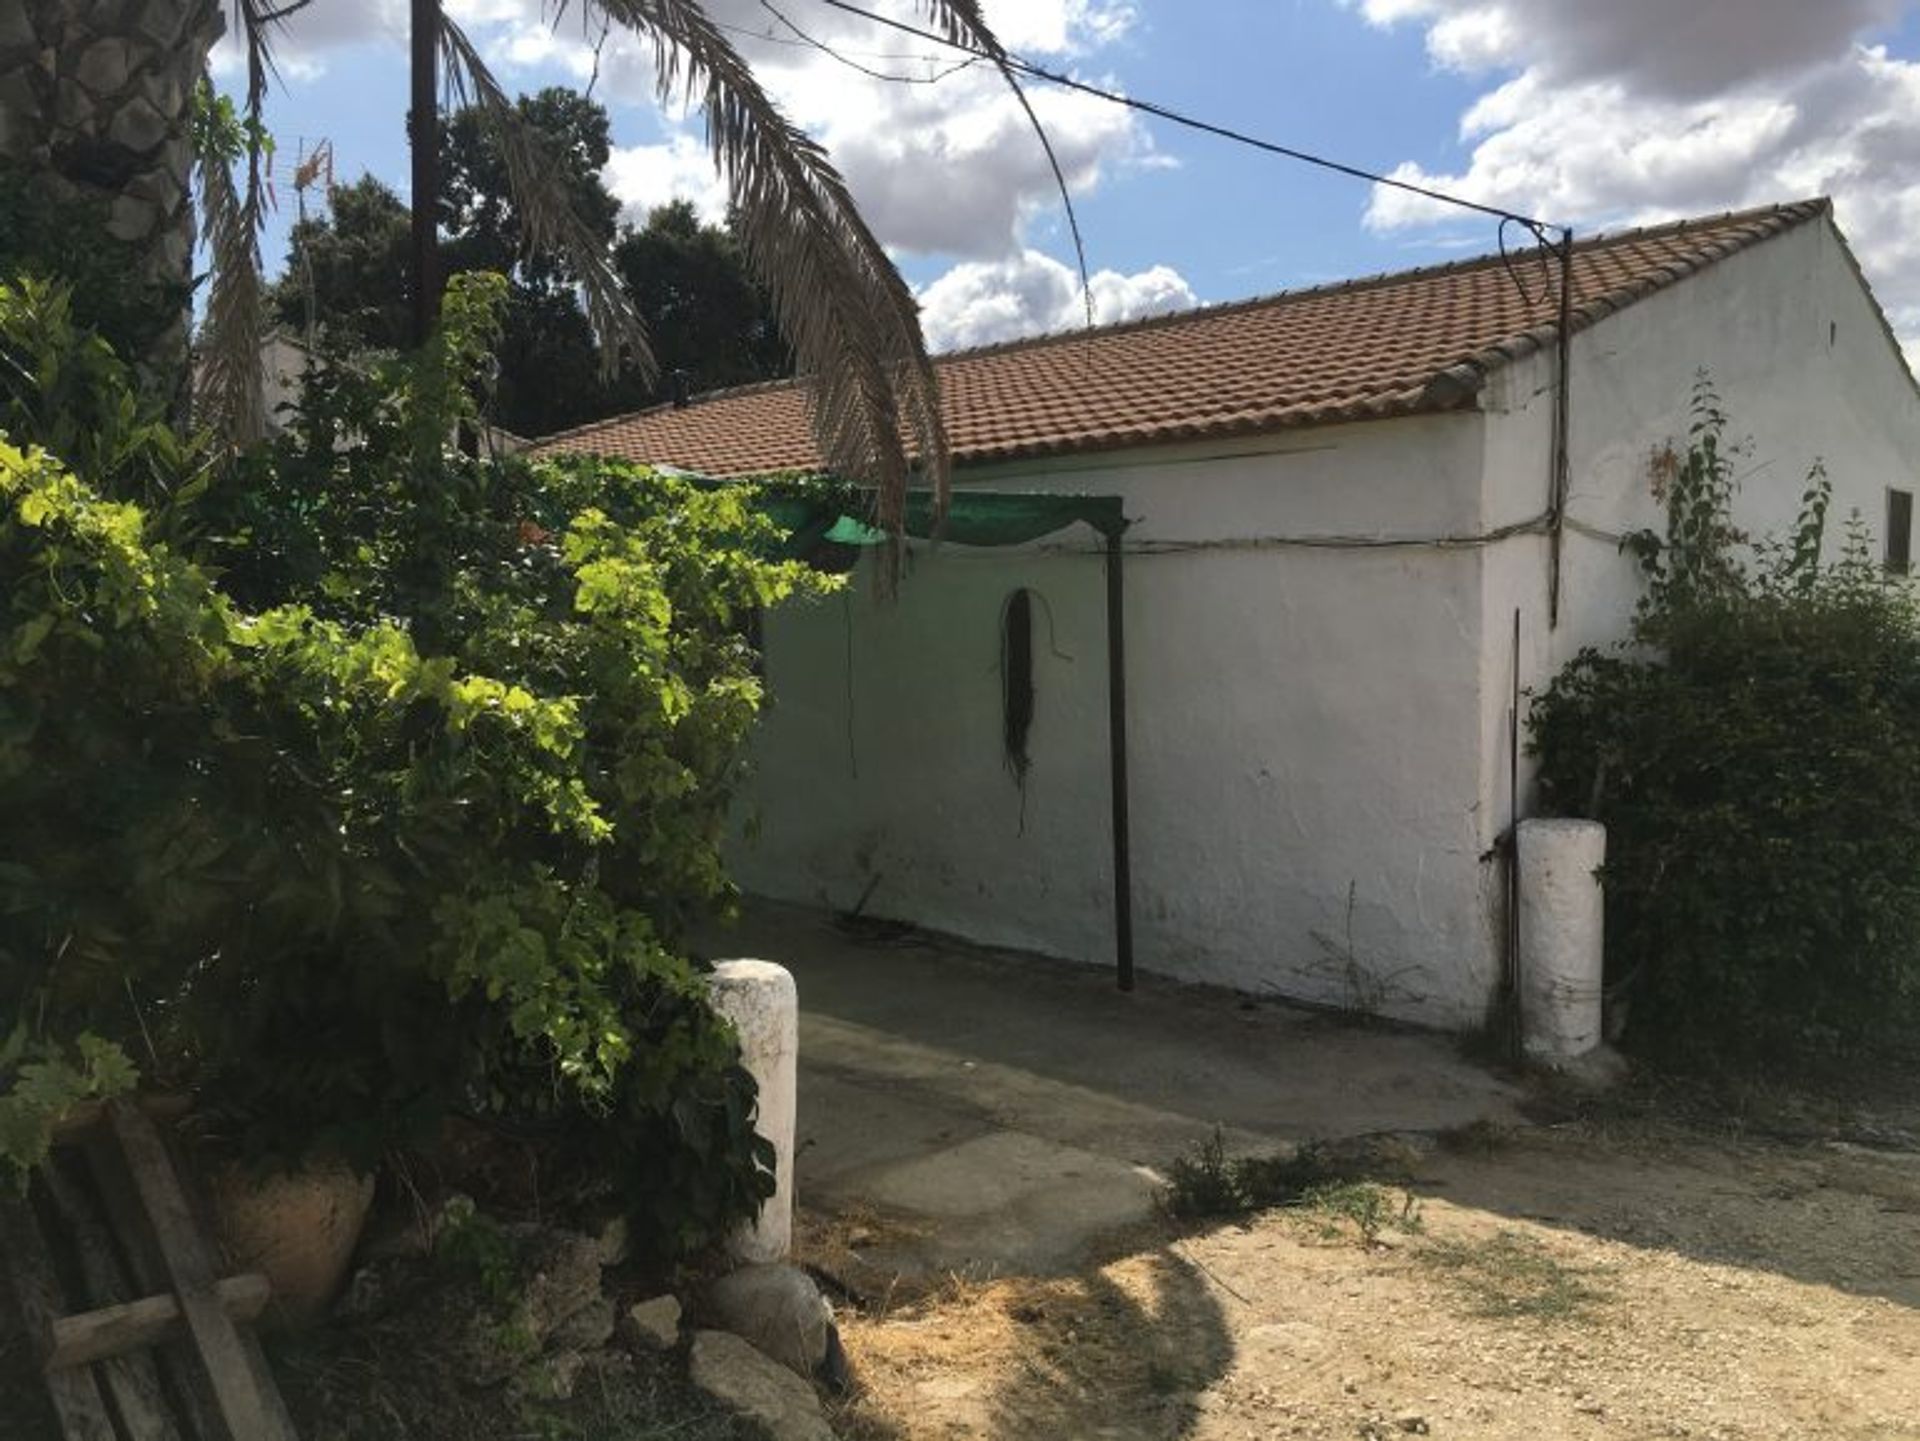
{"x":423,"y":134}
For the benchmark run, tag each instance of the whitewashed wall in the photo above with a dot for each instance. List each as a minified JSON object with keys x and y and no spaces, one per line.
{"x":1805,"y":371}
{"x":1304,"y":730}
{"x":1319,"y":736}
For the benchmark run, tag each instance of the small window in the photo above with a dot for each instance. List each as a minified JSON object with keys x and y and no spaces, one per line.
{"x":1899,"y":531}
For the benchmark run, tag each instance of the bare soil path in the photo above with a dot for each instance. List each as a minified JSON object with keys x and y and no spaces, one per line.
{"x":1581,"y":1281}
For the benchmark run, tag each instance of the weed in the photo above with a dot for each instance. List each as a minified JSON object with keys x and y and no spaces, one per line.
{"x":1513,"y":1276}
{"x":1370,"y":1209}
{"x":1314,"y":1177}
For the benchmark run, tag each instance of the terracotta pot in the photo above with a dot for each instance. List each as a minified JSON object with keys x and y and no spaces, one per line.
{"x":299,"y":1228}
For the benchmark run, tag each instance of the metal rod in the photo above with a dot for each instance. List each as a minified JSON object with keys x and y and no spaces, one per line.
{"x":1513,"y":854}
{"x":1117,"y":746}
{"x":1562,"y":387}
{"x":423,"y":133}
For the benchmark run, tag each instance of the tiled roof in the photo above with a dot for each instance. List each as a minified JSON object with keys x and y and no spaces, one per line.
{"x":1419,"y":340}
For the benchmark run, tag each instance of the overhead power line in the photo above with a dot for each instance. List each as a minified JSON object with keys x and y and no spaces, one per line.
{"x":1225,"y":132}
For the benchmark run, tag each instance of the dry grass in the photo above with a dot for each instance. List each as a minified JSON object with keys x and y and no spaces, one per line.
{"x":1511,"y":1276}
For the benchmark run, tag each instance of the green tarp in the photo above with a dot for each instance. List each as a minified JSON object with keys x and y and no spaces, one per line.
{"x":820,"y":516}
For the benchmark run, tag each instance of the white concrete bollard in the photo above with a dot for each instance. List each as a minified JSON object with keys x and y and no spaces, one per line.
{"x":1562,"y":942}
{"x":763,"y":1004}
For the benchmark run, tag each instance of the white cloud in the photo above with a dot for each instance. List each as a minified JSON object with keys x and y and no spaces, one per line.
{"x":945,"y":168}
{"x":1638,"y":110}
{"x":301,"y":44}
{"x":950,"y":168}
{"x":644,"y":176}
{"x":981,"y":302}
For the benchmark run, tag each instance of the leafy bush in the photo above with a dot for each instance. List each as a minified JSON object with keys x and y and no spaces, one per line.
{"x":367,"y":782}
{"x":1755,"y":756}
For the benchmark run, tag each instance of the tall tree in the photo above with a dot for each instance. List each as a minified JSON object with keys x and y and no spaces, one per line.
{"x":96,"y":102}
{"x":850,"y":316}
{"x":347,"y":271}
{"x":710,"y":322}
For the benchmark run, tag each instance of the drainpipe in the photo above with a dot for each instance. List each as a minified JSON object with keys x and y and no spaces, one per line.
{"x":1117,"y":747}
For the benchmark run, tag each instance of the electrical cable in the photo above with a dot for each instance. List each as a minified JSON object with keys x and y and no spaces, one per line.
{"x":802,"y":38}
{"x":1175,"y":117}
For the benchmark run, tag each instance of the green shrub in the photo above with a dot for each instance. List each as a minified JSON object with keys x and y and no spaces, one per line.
{"x":364,"y":782}
{"x":1755,"y":756}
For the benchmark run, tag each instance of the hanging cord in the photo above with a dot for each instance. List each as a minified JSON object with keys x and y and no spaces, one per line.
{"x":846,"y":616}
{"x":1016,"y":689}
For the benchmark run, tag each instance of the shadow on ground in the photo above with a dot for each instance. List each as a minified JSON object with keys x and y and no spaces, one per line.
{"x":1827,"y":1214}
{"x":1123,"y":1352}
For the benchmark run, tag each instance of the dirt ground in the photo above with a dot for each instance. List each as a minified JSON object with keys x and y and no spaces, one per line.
{"x":1574,"y":1281}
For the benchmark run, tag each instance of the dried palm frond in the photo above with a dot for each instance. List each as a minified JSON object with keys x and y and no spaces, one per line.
{"x":230,"y":398}
{"x":853,"y":322}
{"x":231,"y":388}
{"x":546,"y":207}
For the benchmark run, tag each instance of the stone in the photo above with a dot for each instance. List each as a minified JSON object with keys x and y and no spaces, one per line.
{"x":104,"y":66}
{"x":655,"y":1323}
{"x":131,"y":218}
{"x":615,"y":1242}
{"x":1411,"y":1422}
{"x":779,"y":1310}
{"x":139,"y":126}
{"x":16,"y":29}
{"x":586,"y":1329}
{"x":563,"y":1282}
{"x":740,"y":1378}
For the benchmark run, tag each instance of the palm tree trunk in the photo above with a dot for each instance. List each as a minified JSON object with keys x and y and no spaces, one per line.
{"x":96,"y":103}
{"x":423,"y":134}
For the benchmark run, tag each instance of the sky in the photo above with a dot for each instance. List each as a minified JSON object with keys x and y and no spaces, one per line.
{"x":1592,"y":113}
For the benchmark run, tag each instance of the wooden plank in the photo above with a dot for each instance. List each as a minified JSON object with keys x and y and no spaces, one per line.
{"x":130,"y":1379}
{"x":233,"y":1372}
{"x":179,"y":1363}
{"x":89,"y":1115}
{"x":76,"y":1397}
{"x":131,"y":1325}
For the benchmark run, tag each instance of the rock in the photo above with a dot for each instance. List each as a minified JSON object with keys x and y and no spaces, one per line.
{"x":655,"y":1322}
{"x":139,"y":125}
{"x":551,"y":1377}
{"x":563,"y":1279}
{"x":586,"y":1329}
{"x":1411,"y":1422}
{"x":778,"y":1309}
{"x":104,"y":66}
{"x":739,"y":1377}
{"x":615,"y":1242}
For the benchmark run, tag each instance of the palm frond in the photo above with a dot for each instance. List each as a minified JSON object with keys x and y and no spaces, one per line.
{"x":230,"y":397}
{"x":230,"y":385}
{"x":852,"y":320}
{"x":546,"y":208}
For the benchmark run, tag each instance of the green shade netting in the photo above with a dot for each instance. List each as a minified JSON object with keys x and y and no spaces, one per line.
{"x":820,"y":515}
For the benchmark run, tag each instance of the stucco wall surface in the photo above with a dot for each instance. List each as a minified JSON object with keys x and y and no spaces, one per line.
{"x":1303,"y":730}
{"x":1805,"y":372}
{"x":1320,"y":737}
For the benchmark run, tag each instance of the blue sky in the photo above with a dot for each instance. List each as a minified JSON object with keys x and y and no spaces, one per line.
{"x":1597,"y":114}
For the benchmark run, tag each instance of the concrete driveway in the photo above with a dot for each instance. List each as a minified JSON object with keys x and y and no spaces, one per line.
{"x":1010,"y":1111}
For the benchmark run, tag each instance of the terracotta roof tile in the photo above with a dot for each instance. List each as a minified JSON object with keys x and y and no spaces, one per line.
{"x":1397,"y":344}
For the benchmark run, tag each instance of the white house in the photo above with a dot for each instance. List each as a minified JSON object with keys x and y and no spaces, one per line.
{"x":1341,"y":498}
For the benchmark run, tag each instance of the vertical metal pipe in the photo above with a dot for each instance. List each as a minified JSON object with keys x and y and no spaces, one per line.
{"x":423,"y":133}
{"x":1562,"y":403}
{"x":1117,"y":747}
